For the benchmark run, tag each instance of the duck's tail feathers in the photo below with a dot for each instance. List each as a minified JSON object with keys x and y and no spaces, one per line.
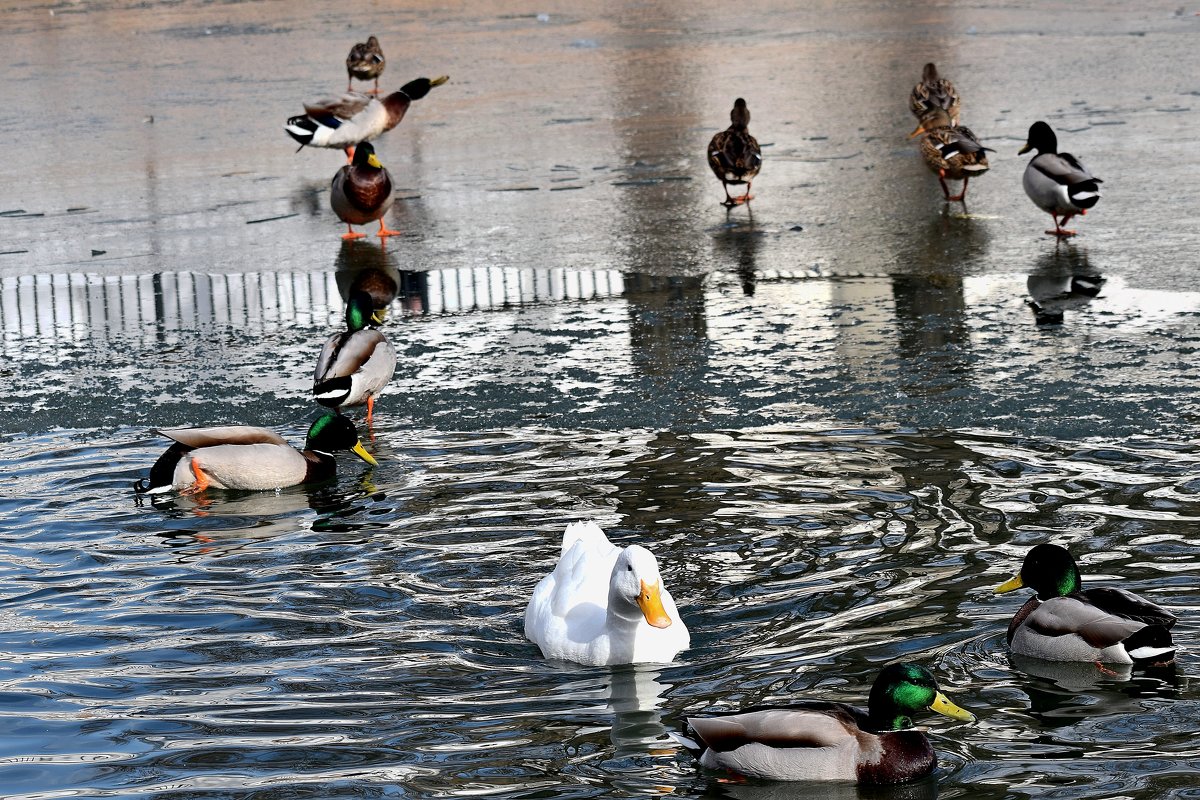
{"x":1152,"y":643}
{"x":683,"y":741}
{"x":333,"y":392}
{"x":587,"y":532}
{"x":301,"y":128}
{"x":1085,"y":194}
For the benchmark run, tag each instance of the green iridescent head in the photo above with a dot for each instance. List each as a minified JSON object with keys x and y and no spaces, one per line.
{"x":1049,"y":570}
{"x":332,"y":432}
{"x":902,"y":690}
{"x":361,"y":312}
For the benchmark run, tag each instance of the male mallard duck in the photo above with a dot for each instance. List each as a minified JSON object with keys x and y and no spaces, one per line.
{"x":604,"y":605}
{"x":356,"y":364}
{"x":243,"y":457}
{"x":734,"y":154}
{"x":1066,"y":622}
{"x":1056,"y":182}
{"x":933,"y":93}
{"x":365,"y":62}
{"x":362,"y":192}
{"x":343,"y":122}
{"x":951,"y":152}
{"x":826,"y":741}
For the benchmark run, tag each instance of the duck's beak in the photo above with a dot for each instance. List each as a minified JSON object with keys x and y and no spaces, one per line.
{"x":920,"y":129}
{"x":1010,"y":585}
{"x":650,"y":602}
{"x":362,"y":453}
{"x":942,"y":705}
{"x":373,"y":160}
{"x":438,"y":81}
{"x":1025,"y":149}
{"x":379,"y":316}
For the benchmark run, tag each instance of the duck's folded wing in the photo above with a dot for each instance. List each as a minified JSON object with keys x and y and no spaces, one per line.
{"x":828,"y":726}
{"x":1127,"y":604}
{"x":1076,"y":616}
{"x":343,"y":106}
{"x":228,"y":434}
{"x":348,"y":358}
{"x":1062,"y":168}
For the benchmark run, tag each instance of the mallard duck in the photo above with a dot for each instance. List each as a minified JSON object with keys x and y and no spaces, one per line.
{"x":343,"y":122}
{"x":244,"y":457}
{"x":1056,"y":182}
{"x":951,"y":152}
{"x":365,"y":62}
{"x":734,"y":154}
{"x":362,"y":192}
{"x":933,"y":93}
{"x":1065,"y":622}
{"x":826,"y":741}
{"x":356,"y":364}
{"x":604,"y":605}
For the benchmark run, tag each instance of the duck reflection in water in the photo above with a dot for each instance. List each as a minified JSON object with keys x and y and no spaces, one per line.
{"x":1062,"y":280}
{"x":1061,"y":692}
{"x":634,"y":699}
{"x":737,"y":248}
{"x":775,"y":790}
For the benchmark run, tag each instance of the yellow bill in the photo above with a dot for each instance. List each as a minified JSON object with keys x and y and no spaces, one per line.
{"x":362,"y":453}
{"x":650,"y":602}
{"x":942,"y":705}
{"x":373,"y":160}
{"x":1025,"y":149}
{"x":1010,"y":585}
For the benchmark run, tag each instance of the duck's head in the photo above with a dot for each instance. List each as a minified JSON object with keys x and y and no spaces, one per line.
{"x":1049,"y":570}
{"x":1041,"y":138}
{"x":902,"y":690}
{"x":333,"y":432}
{"x":740,"y":115}
{"x":364,"y":156}
{"x":635,"y":582}
{"x":361,"y":311}
{"x":416,"y":89}
{"x":930,"y":73}
{"x":934,"y":119}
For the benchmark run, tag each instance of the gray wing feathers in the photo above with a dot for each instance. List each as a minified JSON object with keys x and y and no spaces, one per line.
{"x":228,"y":434}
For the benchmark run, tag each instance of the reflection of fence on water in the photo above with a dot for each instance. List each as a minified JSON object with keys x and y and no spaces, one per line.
{"x":84,"y":308}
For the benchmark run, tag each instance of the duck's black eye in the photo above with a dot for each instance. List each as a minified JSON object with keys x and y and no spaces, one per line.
{"x":629,"y":567}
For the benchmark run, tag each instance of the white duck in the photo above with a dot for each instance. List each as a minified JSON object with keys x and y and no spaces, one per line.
{"x":603,"y":605}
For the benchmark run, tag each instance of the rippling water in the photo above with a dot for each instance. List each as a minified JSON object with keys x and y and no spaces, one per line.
{"x":365,"y":637}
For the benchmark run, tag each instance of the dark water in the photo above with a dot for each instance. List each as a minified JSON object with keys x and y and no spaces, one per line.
{"x":836,"y":418}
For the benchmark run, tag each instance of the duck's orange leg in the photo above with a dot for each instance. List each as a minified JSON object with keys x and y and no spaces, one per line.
{"x":961,"y":195}
{"x":1059,"y":230}
{"x":201,"y":482}
{"x":350,"y":234}
{"x":384,"y":231}
{"x":370,"y":407}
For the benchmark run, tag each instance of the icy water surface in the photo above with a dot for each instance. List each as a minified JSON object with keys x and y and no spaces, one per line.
{"x":839,"y":418}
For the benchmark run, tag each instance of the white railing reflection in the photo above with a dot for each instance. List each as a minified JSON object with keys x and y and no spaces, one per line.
{"x":41,"y":316}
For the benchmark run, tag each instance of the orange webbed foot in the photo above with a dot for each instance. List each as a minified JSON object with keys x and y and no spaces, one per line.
{"x":200,"y":484}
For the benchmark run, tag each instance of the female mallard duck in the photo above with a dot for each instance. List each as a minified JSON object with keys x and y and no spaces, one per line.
{"x":365,"y":62}
{"x":343,"y":122}
{"x":951,"y":152}
{"x":1056,"y":182}
{"x":1066,"y":622}
{"x":734,"y":154}
{"x":243,"y":457}
{"x":362,"y":192}
{"x":356,"y":364}
{"x":826,"y":741}
{"x":604,"y":605}
{"x":933,"y":93}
